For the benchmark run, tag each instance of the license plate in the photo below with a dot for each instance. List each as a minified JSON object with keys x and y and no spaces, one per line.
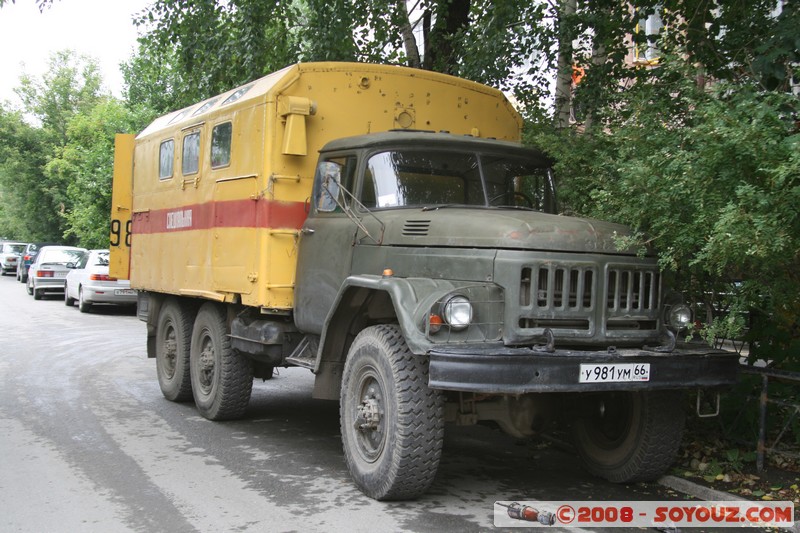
{"x":614,"y":373}
{"x":124,"y":292}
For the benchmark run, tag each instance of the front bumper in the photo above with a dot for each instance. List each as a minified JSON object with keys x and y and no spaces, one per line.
{"x":522,"y":370}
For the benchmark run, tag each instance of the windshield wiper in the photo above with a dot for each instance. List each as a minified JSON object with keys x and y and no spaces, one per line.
{"x":445,"y":206}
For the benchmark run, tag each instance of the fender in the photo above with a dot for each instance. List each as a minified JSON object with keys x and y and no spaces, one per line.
{"x":365,"y":300}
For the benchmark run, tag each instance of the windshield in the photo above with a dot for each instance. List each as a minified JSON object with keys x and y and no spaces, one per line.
{"x":13,"y":248}
{"x":62,"y":256}
{"x":430,"y":178}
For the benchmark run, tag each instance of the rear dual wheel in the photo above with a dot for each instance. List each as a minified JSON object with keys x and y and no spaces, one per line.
{"x":629,"y":436}
{"x":173,"y":339}
{"x":222,"y":378}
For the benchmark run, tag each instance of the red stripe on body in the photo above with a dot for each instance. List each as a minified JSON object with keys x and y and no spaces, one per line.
{"x":228,"y":214}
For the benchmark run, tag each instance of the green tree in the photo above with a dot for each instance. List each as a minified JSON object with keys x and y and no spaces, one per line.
{"x":26,"y":209}
{"x":85,"y":163}
{"x":70,"y":86}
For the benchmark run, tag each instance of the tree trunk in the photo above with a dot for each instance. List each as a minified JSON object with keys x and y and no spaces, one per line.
{"x":409,"y":42}
{"x":451,"y":16}
{"x":564,"y":75}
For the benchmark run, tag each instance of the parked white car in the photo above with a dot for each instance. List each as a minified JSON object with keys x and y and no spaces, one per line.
{"x":10,"y":254}
{"x":49,"y":270}
{"x":89,"y":284}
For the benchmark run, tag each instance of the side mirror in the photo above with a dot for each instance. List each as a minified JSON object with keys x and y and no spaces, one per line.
{"x":71,"y":265}
{"x":330,"y":175}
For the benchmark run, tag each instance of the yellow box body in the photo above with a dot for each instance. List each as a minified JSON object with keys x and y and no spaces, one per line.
{"x":230,"y":233}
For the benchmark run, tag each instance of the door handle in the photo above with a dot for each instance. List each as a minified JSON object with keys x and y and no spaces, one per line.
{"x":307,"y":231}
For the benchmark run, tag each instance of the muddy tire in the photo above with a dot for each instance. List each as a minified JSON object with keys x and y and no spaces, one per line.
{"x":392,"y":424}
{"x":629,"y":436}
{"x":173,"y":340}
{"x":222,"y":378}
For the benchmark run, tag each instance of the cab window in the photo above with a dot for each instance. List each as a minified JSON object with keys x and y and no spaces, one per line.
{"x":191,"y":153}
{"x":221,"y":145}
{"x":333,"y":183}
{"x":166,"y":157}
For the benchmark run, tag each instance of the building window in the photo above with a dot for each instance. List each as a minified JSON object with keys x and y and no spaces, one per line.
{"x":166,"y":156}
{"x":191,"y":153}
{"x":221,"y":145}
{"x":648,"y":30}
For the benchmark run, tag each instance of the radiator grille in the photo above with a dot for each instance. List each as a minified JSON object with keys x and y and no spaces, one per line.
{"x":631,"y":291}
{"x":557,"y":287}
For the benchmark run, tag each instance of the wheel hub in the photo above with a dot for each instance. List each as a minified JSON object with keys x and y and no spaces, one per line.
{"x":368,"y":415}
{"x":206,"y":364}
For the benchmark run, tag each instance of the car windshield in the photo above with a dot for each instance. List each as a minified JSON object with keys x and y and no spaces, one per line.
{"x":430,"y":178}
{"x":61,"y":256}
{"x":13,"y":248}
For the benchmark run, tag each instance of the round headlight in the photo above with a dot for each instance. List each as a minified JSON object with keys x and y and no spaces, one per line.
{"x":679,"y":316}
{"x":457,"y":312}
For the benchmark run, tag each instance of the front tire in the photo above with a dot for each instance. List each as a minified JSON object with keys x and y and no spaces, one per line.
{"x":392,"y":424}
{"x":29,"y":285}
{"x":173,"y":341}
{"x":629,"y":436}
{"x":222,"y":379}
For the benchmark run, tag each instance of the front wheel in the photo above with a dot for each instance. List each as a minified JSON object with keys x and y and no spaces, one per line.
{"x":392,"y":424}
{"x":222,"y":378}
{"x":629,"y":436}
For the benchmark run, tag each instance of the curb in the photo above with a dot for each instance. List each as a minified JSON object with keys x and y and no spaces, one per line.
{"x":708,"y":494}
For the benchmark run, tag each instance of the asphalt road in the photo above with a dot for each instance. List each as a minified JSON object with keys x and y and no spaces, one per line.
{"x":88,"y":443}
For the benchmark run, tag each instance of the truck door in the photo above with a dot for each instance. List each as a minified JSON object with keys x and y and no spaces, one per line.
{"x":233,"y":253}
{"x":325,"y":250}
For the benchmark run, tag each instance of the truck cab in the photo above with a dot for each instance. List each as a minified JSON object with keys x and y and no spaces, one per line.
{"x":450,"y":249}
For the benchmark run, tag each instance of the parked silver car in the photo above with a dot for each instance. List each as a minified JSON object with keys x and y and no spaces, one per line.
{"x":49,"y":270}
{"x":90,"y":284}
{"x":10,"y":254}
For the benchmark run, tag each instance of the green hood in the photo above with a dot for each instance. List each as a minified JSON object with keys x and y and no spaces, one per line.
{"x":498,"y":228}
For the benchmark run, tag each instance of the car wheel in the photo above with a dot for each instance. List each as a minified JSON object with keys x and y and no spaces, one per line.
{"x":392,"y":424}
{"x":173,"y":340}
{"x":83,"y":305}
{"x":37,"y":294}
{"x":629,"y":436}
{"x":69,"y":302}
{"x":29,"y":285}
{"x":222,"y":378}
